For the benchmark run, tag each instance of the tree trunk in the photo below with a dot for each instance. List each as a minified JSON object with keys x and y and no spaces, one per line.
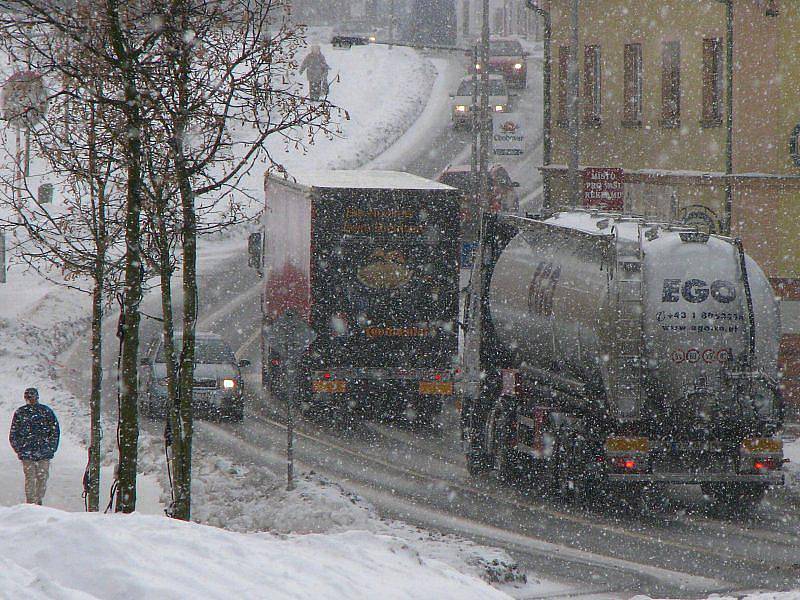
{"x":168,"y":331}
{"x":183,"y":500}
{"x":93,"y":491}
{"x":98,"y":202}
{"x":129,"y":394}
{"x":128,"y":409}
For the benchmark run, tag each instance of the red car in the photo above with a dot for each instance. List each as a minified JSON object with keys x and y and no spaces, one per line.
{"x":507,"y":57}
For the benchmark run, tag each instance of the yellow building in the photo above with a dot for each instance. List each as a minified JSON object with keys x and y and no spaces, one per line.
{"x":699,"y":137}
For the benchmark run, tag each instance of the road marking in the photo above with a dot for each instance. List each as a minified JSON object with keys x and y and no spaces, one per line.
{"x":516,"y":504}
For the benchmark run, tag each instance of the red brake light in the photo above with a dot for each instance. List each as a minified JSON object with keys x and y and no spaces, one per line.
{"x":759,"y":466}
{"x":438,"y":377}
{"x":630,"y":464}
{"x":327,"y":376}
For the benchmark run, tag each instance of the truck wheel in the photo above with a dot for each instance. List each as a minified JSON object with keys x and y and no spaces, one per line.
{"x":735,"y":495}
{"x":506,"y":461}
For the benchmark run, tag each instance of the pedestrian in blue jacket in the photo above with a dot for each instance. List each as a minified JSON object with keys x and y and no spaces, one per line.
{"x":34,"y":437}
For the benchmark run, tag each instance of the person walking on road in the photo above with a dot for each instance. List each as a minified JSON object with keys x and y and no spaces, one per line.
{"x":316,"y":68}
{"x":34,"y":437}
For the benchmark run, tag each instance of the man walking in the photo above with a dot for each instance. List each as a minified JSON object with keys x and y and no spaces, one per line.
{"x":34,"y":437}
{"x":316,"y":68}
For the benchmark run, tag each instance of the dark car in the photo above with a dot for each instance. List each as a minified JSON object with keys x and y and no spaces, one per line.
{"x":218,"y":385}
{"x":508,"y":58}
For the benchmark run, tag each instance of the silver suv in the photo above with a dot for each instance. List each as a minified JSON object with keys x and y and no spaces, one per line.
{"x":218,"y":384}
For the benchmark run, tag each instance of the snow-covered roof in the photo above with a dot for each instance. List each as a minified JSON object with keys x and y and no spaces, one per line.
{"x":365,"y":180}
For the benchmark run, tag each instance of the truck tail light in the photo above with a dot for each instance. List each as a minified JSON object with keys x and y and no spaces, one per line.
{"x":766,"y":464}
{"x":627,"y":464}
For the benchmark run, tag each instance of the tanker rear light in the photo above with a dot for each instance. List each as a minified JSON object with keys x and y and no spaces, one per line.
{"x":627,"y":464}
{"x":767,"y":464}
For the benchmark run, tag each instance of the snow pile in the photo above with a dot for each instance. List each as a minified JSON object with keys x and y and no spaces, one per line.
{"x":251,"y":499}
{"x":791,"y":450}
{"x":383,"y":91}
{"x":37,"y":321}
{"x":45,"y":553}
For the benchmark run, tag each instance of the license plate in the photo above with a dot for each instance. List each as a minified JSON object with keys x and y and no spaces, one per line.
{"x":436,"y":387}
{"x":329,"y":387}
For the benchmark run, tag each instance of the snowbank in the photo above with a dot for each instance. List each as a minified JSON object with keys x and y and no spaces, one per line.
{"x":791,"y":451}
{"x":795,"y":595}
{"x":37,"y":321}
{"x":55,"y":555}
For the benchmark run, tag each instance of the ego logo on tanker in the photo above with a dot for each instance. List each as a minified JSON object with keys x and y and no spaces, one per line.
{"x":697,"y":290}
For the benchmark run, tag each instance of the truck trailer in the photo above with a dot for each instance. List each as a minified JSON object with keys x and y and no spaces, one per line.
{"x":609,"y":352}
{"x":370,"y":260}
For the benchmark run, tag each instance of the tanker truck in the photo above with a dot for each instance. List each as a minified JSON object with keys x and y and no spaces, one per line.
{"x":605,"y":352}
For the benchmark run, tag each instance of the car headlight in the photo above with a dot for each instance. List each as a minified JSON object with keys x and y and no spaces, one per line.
{"x":499,"y":108}
{"x":461,"y":108}
{"x":372,"y":39}
{"x":518,"y":66}
{"x":478,"y":67}
{"x":228,"y":384}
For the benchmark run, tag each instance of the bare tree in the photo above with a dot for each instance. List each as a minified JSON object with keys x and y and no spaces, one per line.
{"x":108,"y":41}
{"x":76,"y":237}
{"x":225,"y":88}
{"x":198,"y":87}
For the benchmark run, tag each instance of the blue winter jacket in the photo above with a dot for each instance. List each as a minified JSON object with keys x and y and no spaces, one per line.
{"x":34,"y":432}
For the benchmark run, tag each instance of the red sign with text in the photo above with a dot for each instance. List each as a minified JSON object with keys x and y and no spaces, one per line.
{"x":603,"y":188}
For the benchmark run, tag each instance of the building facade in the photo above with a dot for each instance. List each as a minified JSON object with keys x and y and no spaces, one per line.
{"x":700,"y":137}
{"x":506,"y":18}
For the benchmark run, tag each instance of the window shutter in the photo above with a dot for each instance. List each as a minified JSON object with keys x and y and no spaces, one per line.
{"x":670,"y":84}
{"x":563,"y":79}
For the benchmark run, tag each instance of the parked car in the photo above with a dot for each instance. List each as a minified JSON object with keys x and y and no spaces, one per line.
{"x":507,"y":58}
{"x":218,"y":385}
{"x":355,"y":34}
{"x":462,"y":99}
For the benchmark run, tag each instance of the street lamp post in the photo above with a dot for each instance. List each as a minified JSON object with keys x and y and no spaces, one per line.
{"x":483,"y":167}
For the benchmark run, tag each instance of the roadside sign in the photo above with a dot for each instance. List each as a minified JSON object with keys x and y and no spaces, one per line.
{"x":603,"y":188}
{"x":508,"y":134}
{"x":289,"y":336}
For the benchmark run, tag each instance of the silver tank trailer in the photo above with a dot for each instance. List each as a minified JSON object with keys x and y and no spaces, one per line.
{"x":567,"y":297}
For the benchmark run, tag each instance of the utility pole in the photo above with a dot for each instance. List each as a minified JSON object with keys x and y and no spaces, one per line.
{"x":473,"y":167}
{"x":547,"y":113}
{"x":485,"y":124}
{"x":391,"y":20}
{"x":573,"y":110}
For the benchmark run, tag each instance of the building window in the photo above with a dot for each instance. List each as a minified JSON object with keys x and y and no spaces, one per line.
{"x":633,"y":85}
{"x":563,"y":85}
{"x":671,"y":84}
{"x":712,"y":82}
{"x":465,"y":24}
{"x":592,"y":78}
